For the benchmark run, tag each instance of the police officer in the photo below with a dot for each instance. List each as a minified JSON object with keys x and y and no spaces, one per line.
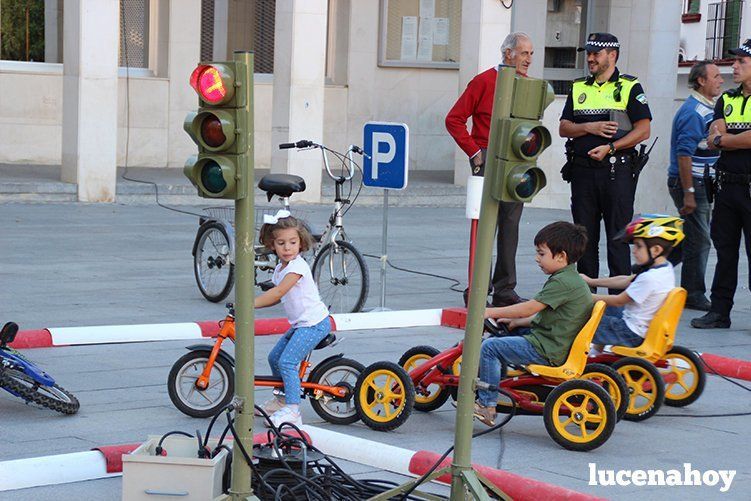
{"x":730,"y":133}
{"x":605,"y":116}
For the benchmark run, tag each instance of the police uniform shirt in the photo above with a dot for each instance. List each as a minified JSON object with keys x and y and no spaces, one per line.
{"x":735,"y":109}
{"x":595,"y":102}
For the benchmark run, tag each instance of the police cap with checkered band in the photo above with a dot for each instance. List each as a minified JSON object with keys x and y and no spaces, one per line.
{"x":598,"y":41}
{"x":744,"y":50}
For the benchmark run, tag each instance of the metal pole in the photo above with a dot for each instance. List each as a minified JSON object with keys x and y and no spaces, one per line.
{"x":244,"y":297}
{"x":481,"y":276}
{"x":384,"y":255}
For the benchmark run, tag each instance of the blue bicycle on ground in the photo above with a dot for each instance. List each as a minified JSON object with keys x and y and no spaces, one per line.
{"x":19,"y":376}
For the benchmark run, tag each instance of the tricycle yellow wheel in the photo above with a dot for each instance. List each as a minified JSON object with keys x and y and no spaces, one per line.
{"x":614,"y":384}
{"x":645,"y":386}
{"x":683,"y":373}
{"x":579,"y":415}
{"x":384,"y":396}
{"x":433,"y":396}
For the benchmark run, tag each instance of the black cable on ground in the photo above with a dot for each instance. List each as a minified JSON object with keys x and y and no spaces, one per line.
{"x":406,"y":270}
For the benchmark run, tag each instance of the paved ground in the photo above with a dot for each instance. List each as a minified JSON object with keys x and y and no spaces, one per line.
{"x":77,"y":264}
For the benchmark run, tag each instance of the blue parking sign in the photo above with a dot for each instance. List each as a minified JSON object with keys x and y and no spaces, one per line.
{"x":387,"y":148}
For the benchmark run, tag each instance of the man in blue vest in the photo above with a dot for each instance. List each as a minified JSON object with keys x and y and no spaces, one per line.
{"x":691,"y":162}
{"x":730,"y":133}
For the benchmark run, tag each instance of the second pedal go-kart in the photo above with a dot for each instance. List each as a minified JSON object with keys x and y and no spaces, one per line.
{"x":658,"y":371}
{"x":201,"y":383}
{"x":580,"y":403}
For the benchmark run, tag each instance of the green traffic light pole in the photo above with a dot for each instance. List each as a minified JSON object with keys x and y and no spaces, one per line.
{"x":240,"y":488}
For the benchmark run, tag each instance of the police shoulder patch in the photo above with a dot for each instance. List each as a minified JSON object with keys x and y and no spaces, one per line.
{"x":630,"y":78}
{"x":641,"y":98}
{"x":582,"y":98}
{"x":728,"y":110}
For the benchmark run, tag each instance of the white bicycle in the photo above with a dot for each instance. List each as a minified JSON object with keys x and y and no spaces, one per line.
{"x":338,"y":267}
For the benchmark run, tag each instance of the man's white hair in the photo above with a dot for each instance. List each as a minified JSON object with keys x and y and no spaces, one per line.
{"x":512,"y":41}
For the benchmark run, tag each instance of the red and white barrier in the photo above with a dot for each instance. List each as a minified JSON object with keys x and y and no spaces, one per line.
{"x":416,"y":463}
{"x":447,"y":317}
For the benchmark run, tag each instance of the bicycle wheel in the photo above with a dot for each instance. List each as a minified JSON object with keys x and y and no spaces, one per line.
{"x":341,"y":275}
{"x":53,"y":397}
{"x":384,"y":396}
{"x":181,"y":385}
{"x":215,"y":273}
{"x":336,"y":372}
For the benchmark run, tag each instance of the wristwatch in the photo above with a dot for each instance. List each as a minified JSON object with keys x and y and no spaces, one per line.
{"x":689,"y":190}
{"x":717,"y":140}
{"x":612,"y":148}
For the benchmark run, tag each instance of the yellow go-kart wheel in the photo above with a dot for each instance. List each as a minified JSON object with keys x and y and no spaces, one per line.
{"x":645,"y":385}
{"x":614,"y":384}
{"x":684,"y":376}
{"x":579,"y":415}
{"x":434,"y":396}
{"x":384,"y":396}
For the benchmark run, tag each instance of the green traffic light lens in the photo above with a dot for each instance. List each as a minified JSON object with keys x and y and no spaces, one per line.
{"x":212,"y":178}
{"x":527,"y":186}
{"x":211,"y":131}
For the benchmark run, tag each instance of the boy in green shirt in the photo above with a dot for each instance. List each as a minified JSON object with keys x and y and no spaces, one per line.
{"x":546,"y":325}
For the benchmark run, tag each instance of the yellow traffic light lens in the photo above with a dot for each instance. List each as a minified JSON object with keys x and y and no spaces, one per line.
{"x":533,"y":143}
{"x":211,"y":131}
{"x":212,"y":178}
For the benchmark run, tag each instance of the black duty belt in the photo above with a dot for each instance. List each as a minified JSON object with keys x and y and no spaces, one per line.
{"x":618,"y":159}
{"x":725,"y":177}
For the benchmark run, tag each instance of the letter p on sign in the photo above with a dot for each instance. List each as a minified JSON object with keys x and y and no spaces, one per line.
{"x":387,"y":149}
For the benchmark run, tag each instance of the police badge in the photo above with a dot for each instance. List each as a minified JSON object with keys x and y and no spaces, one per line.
{"x":728,"y":110}
{"x":582,"y":98}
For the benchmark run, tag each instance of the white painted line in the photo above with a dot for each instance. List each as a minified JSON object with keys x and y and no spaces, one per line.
{"x":50,"y":470}
{"x":124,"y":333}
{"x":359,"y":450}
{"x":387,"y":319}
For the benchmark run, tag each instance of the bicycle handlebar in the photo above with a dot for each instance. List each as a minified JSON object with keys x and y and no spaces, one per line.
{"x":304,"y":143}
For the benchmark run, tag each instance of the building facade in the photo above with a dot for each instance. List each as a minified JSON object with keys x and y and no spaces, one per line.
{"x":95,"y":84}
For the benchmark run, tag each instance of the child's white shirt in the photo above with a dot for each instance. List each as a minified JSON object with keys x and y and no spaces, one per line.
{"x":648,"y":291}
{"x":302,"y":303}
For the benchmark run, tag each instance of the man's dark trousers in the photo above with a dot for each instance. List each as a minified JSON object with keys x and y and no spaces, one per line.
{"x":731,"y":217}
{"x":504,"y":274}
{"x":697,"y":243}
{"x":595,"y":196}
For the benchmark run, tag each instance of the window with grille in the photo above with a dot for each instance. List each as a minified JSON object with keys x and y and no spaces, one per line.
{"x":723,"y":28}
{"x":31,"y":30}
{"x":134,"y":33}
{"x":207,"y":30}
{"x":566,"y":29}
{"x":420,"y":33}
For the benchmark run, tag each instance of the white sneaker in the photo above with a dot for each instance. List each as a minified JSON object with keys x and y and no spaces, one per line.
{"x":286,"y":415}
{"x":271,"y":405}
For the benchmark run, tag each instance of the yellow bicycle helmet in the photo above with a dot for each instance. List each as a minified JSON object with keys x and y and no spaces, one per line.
{"x":668,"y":228}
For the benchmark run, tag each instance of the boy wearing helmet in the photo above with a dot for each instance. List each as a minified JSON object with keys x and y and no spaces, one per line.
{"x":629,"y":313}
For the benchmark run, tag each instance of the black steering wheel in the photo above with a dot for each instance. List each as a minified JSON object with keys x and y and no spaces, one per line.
{"x":496,"y":329}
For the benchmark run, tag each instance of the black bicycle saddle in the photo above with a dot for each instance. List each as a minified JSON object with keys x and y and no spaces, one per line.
{"x":281,"y":185}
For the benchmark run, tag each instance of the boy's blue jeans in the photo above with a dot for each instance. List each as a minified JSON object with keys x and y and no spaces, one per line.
{"x":290,"y":350}
{"x":613,"y":330}
{"x":495,"y":355}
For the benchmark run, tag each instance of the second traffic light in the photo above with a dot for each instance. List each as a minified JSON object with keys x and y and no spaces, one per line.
{"x":220,"y":129}
{"x":521,"y":138}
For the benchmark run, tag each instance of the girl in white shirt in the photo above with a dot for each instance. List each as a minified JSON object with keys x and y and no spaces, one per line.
{"x":295,"y":288}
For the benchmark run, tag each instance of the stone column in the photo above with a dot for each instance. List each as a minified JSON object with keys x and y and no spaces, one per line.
{"x":299,"y":71}
{"x":485,"y":23}
{"x":89,"y":148}
{"x":52,"y":35}
{"x":649,"y":32}
{"x":184,"y":52}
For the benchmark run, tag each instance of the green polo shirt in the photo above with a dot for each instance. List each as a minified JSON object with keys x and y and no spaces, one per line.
{"x":569,"y":306}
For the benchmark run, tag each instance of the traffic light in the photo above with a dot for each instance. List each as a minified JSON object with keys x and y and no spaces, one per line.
{"x":521,"y":139}
{"x":220,"y":129}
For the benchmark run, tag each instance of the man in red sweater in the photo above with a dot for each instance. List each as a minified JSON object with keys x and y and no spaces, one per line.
{"x":477,"y":102}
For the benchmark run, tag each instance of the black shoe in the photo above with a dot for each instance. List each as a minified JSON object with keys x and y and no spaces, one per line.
{"x":701,"y":303}
{"x":508,"y":300}
{"x":711,"y":320}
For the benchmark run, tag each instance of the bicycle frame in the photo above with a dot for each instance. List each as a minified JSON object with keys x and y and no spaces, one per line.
{"x":227,"y":331}
{"x":11,"y":359}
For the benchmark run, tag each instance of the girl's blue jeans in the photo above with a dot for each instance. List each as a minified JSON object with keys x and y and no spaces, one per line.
{"x":290,"y":350}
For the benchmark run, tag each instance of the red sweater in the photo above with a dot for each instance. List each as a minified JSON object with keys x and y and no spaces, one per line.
{"x":477,"y":102}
